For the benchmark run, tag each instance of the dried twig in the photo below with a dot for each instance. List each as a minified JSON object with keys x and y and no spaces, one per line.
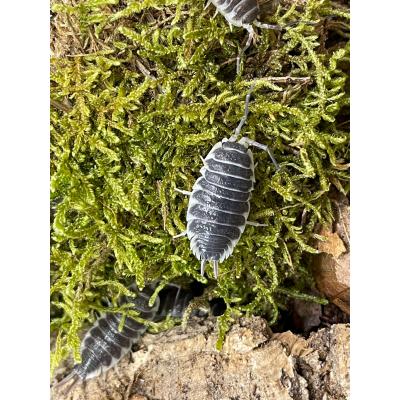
{"x":287,"y":79}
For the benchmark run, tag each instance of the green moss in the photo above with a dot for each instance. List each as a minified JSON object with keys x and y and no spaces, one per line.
{"x":140,"y":91}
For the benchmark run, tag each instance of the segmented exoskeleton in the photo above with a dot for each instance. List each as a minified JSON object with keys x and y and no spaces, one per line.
{"x":104,"y":344}
{"x":242,"y":13}
{"x":219,"y":201}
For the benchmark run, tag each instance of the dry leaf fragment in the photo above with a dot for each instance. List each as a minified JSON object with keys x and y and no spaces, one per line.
{"x":333,"y":245}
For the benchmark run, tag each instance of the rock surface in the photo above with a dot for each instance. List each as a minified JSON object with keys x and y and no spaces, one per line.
{"x":253,"y":364}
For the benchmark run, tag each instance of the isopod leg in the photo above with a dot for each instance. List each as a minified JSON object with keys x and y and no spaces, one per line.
{"x":185,"y":192}
{"x":255,"y":223}
{"x":249,"y":29}
{"x":180,"y":235}
{"x":263,"y":147}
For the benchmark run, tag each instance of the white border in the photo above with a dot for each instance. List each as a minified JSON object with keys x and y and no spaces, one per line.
{"x":24,"y":200}
{"x":375,"y":201}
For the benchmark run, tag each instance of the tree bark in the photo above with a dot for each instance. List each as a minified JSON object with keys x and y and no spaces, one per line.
{"x":253,"y":364}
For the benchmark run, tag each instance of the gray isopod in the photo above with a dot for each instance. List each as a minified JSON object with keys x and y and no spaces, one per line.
{"x":219,"y":201}
{"x":104,"y":344}
{"x":242,"y":13}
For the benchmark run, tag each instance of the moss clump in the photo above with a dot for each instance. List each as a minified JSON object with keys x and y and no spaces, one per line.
{"x":141,"y":90}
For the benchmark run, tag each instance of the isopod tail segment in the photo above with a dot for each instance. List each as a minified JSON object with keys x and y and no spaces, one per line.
{"x":226,"y":207}
{"x":71,"y":378}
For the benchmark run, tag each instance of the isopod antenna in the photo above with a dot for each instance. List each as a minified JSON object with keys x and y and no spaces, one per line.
{"x":251,"y":142}
{"x":72,"y":378}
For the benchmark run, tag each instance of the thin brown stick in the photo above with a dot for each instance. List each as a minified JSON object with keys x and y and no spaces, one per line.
{"x":60,"y":106}
{"x":287,"y":79}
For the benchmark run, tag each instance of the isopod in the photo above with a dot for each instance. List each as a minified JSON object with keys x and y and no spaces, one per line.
{"x":242,"y":13}
{"x":219,"y":203}
{"x":104,"y":344}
